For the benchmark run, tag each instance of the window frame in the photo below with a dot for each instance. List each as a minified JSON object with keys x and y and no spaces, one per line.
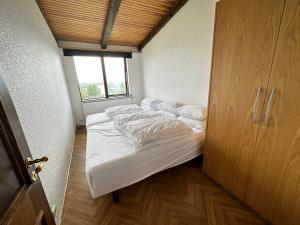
{"x":107,"y":95}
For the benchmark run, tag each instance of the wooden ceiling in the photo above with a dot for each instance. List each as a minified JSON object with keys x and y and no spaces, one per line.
{"x":108,"y":22}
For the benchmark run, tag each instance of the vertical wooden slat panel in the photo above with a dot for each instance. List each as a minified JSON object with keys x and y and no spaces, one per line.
{"x":76,"y":20}
{"x":84,"y":20}
{"x":137,"y":19}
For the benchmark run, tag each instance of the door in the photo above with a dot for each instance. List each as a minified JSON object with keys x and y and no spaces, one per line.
{"x":274,"y":183}
{"x":244,"y":43}
{"x":22,"y":198}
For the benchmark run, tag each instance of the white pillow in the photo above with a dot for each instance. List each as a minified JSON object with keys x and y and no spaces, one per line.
{"x":169,"y":106}
{"x":150,"y":104}
{"x":192,"y":112}
{"x":168,"y":114}
{"x":197,"y":124}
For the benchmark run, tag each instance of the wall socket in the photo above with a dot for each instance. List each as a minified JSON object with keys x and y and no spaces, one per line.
{"x":53,"y":210}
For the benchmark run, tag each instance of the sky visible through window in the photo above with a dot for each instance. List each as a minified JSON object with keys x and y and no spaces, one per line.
{"x":88,"y":69}
{"x":115,"y":75}
{"x":90,"y":76}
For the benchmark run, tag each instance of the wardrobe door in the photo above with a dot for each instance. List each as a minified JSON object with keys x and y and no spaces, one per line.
{"x":274,"y":182}
{"x":246,"y":32}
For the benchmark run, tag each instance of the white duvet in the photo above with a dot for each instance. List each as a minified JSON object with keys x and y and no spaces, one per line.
{"x":123,"y":109}
{"x":143,"y":131}
{"x":121,"y":120}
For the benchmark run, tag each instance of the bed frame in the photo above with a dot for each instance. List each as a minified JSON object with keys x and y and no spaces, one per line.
{"x":115,"y":197}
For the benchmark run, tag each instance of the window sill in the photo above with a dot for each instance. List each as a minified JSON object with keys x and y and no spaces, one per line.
{"x":111,"y":98}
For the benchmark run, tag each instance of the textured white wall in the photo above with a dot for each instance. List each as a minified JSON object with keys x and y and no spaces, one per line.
{"x":81,"y":110}
{"x":176,"y":63}
{"x":35,"y":78}
{"x":72,"y":83}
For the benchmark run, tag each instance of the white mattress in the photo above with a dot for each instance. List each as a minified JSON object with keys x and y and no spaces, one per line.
{"x":97,"y":119}
{"x":112,"y":163}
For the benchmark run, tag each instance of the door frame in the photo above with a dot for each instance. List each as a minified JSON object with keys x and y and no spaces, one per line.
{"x":18,"y":150}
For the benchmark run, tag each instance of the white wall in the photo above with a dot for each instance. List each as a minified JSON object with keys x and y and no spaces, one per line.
{"x":34,"y":74}
{"x":83,"y":109}
{"x":176,"y":63}
{"x":72,"y":83}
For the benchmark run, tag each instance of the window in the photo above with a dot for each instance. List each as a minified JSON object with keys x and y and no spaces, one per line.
{"x":89,"y":73}
{"x":101,"y":77}
{"x":115,"y":75}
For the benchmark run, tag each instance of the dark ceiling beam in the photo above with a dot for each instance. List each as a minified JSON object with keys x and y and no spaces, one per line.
{"x":111,"y":15}
{"x":162,"y":23}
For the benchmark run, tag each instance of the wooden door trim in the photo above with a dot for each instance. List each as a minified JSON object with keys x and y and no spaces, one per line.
{"x":10,"y":143}
{"x":40,"y":220}
{"x":14,"y":206}
{"x":12,"y":119}
{"x":14,"y":140}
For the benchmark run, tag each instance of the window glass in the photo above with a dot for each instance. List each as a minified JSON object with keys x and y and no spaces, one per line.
{"x":90,"y":78}
{"x":115,"y":75}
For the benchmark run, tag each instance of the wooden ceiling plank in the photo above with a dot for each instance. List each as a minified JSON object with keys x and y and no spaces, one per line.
{"x":75,"y":16}
{"x":60,"y":21}
{"x":90,"y":12}
{"x":63,"y":12}
{"x":78,"y":20}
{"x":151,"y":8}
{"x":141,"y":13}
{"x":136,"y":19}
{"x":90,"y":9}
{"x":112,"y":12}
{"x":76,"y":3}
{"x":163,"y":22}
{"x":78,"y":38}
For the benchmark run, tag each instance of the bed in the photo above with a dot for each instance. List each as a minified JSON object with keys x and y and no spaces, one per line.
{"x":95,"y":119}
{"x":112,"y":162}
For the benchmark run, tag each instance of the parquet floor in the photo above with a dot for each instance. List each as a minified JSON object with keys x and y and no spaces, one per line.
{"x":179,"y":196}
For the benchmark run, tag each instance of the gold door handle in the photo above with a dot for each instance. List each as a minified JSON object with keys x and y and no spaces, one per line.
{"x":41,"y":163}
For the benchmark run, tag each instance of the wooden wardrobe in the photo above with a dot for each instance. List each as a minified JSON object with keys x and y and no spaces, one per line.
{"x":253,"y":129}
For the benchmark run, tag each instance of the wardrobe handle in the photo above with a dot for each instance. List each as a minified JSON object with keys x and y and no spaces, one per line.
{"x":267,"y":115}
{"x":255,"y":105}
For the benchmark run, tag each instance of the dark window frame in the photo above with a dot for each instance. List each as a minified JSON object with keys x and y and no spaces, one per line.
{"x":107,"y":95}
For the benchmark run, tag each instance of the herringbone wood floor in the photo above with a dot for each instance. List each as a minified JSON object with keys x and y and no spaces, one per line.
{"x":179,"y":196}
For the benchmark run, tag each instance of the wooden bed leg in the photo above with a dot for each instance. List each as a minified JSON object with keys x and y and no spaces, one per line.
{"x":115,"y":197}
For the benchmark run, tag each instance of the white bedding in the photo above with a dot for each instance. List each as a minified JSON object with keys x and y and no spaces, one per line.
{"x":197,"y":124}
{"x":123,"y":109}
{"x":140,"y":132}
{"x":121,"y":120}
{"x":112,"y":163}
{"x":168,"y":114}
{"x":96,"y":119}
